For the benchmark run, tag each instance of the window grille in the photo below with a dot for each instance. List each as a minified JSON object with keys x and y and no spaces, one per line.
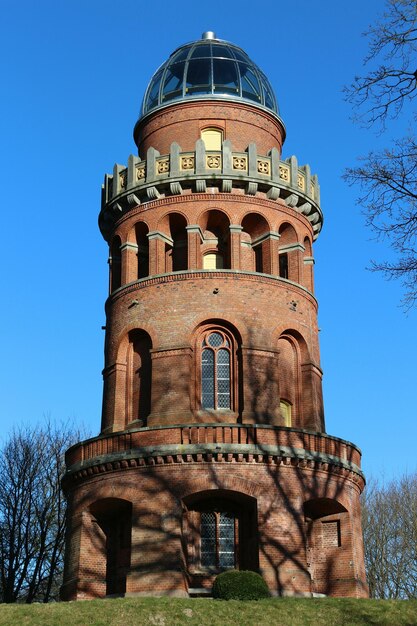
{"x":215,"y":371}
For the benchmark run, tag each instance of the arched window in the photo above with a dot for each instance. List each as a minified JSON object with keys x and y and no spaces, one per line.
{"x":213,"y":138}
{"x":213,"y":261}
{"x":216,"y":388}
{"x":289,"y":252}
{"x":215,"y":226}
{"x":328,"y":526}
{"x":255,"y":243}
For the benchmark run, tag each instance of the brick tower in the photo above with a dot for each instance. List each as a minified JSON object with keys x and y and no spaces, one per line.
{"x":212,"y":452}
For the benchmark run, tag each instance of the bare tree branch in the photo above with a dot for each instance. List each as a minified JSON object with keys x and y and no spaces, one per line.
{"x":33,"y":512}
{"x":385,"y":89}
{"x":388,"y":181}
{"x":388,"y":178}
{"x":390,"y":538}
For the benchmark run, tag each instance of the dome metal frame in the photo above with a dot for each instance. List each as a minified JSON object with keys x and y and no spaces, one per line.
{"x":207,"y":69}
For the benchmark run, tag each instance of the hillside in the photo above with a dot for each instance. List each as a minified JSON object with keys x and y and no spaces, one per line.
{"x":206,"y":612}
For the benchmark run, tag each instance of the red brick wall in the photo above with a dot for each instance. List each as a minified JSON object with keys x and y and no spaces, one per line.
{"x":183,"y":122}
{"x":292,"y":556}
{"x":257,"y":310}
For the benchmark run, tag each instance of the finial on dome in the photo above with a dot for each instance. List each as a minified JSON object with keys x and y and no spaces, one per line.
{"x":209,"y":34}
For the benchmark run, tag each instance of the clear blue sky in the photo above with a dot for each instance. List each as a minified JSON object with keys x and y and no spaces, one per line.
{"x":73,"y":77}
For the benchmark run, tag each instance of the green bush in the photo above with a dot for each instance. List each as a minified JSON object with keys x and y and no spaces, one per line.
{"x":240,"y":585}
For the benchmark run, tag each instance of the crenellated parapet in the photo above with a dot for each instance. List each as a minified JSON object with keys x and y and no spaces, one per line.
{"x":178,"y":172}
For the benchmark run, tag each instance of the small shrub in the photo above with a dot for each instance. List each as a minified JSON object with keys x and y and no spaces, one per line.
{"x":240,"y":585}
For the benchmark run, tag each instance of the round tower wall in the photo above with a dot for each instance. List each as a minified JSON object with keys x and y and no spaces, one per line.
{"x":184,"y":121}
{"x":297,"y":552}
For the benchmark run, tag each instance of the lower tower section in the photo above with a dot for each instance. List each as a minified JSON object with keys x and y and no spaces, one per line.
{"x":160,"y":511}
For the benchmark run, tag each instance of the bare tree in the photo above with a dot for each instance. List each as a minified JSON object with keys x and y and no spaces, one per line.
{"x":32,"y":512}
{"x":390,"y":538}
{"x":388,"y":178}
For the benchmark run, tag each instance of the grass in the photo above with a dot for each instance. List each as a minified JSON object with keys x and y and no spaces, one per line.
{"x":205,"y":612}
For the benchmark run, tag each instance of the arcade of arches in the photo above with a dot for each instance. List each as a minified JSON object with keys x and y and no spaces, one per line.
{"x":213,"y":243}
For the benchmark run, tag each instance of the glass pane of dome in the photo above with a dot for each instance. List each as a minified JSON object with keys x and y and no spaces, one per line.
{"x":269,"y":98}
{"x":199,"y":76}
{"x":173,"y":81}
{"x":250,"y":84}
{"x":241,"y":56}
{"x":201,"y":51}
{"x":181,"y":55}
{"x":225,"y":77}
{"x":152,"y":99}
{"x":222,"y":51}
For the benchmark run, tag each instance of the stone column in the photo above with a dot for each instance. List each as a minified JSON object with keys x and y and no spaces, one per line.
{"x":312,"y":412}
{"x":235,"y":244}
{"x":129,"y":252}
{"x":308,"y":280}
{"x":157,"y":241}
{"x":194,"y":237}
{"x":295,"y":259}
{"x":114,"y":398}
{"x":273,"y":242}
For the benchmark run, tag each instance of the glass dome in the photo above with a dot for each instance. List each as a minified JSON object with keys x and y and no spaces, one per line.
{"x":206,"y":69}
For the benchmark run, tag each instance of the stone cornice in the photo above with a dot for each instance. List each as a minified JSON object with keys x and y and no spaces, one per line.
{"x":213,"y":443}
{"x":211,"y":274}
{"x":207,"y":453}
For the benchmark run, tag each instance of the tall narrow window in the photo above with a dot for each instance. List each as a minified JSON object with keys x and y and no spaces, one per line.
{"x":208,"y":540}
{"x":283,"y":265}
{"x":215,"y":371}
{"x":258,"y":258}
{"x":218,"y":540}
{"x":115,"y":265}
{"x":285,"y":408}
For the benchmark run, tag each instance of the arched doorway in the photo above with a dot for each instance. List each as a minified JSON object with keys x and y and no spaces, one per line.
{"x":329,"y":547}
{"x":220,"y":532}
{"x":113,"y":517}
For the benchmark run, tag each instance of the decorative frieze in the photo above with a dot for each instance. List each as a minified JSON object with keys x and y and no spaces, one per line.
{"x":140,"y":172}
{"x":187,"y":162}
{"x":123,"y":179}
{"x":284,"y":173}
{"x":213,"y":161}
{"x":301,"y":182}
{"x":264,"y":167}
{"x":240,"y":163}
{"x":162,"y":165}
